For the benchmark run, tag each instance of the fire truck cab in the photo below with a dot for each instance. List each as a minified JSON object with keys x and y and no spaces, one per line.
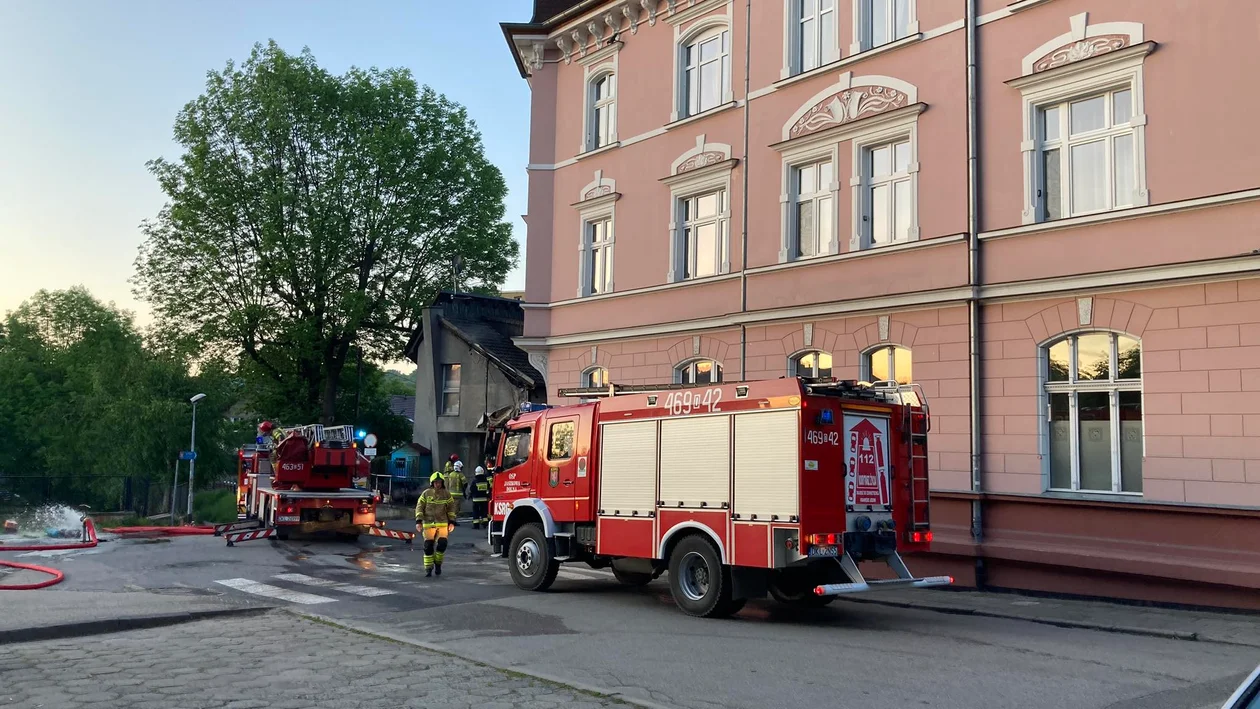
{"x":737,"y":490}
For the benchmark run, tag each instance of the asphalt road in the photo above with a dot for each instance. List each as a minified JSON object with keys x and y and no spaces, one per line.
{"x":590,"y":630}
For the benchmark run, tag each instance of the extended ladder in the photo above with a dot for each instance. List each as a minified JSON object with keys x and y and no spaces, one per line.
{"x":918,"y":423}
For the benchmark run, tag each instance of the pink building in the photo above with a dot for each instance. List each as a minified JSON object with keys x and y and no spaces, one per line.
{"x":1069,"y":264}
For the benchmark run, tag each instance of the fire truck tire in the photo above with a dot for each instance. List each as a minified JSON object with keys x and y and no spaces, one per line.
{"x":532,"y":559}
{"x":699,"y":581}
{"x":631,"y":578}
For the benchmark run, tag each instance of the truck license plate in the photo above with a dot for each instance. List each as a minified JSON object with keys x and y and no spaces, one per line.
{"x":824,"y":551}
{"x":288,"y":518}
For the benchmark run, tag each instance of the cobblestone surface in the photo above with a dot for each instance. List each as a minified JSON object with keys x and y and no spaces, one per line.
{"x":275,"y":661}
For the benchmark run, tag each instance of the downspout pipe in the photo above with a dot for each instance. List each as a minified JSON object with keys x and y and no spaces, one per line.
{"x":973,"y":281}
{"x":743,"y":239}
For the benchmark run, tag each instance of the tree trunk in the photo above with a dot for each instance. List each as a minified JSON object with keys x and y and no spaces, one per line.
{"x":332,"y":380}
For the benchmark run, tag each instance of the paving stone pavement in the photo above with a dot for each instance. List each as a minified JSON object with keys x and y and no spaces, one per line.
{"x":274,"y":661}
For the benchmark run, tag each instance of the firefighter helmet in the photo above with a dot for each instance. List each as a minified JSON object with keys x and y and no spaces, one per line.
{"x":454,"y":457}
{"x":265,"y":427}
{"x":459,"y":465}
{"x":437,"y":476}
{"x":481,"y":470}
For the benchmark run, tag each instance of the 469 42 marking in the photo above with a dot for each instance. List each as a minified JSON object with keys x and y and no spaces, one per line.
{"x":680,"y":403}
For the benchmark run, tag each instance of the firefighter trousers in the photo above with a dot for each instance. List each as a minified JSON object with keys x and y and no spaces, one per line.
{"x":435,"y":543}
{"x":481,"y":512}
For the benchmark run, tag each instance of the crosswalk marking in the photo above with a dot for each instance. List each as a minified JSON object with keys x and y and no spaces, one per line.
{"x":269,"y":591}
{"x":368,"y":591}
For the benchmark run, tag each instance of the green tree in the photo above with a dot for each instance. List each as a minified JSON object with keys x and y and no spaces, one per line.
{"x":311,"y":214}
{"x":84,"y":402}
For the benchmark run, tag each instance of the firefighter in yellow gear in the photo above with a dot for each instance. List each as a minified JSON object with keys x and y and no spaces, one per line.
{"x":456,"y":482}
{"x":435,"y":518}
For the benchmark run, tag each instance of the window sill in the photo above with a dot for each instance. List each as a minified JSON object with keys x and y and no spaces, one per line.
{"x":649,"y":289}
{"x":602,"y":149}
{"x":846,"y":61}
{"x":1092,"y":495}
{"x":700,"y":116}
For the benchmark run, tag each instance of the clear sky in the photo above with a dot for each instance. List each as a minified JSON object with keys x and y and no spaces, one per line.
{"x":89,"y":90}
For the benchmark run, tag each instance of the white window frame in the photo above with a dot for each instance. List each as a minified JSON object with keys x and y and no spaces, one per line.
{"x":864,"y":363}
{"x":448,"y":390}
{"x":591,"y":211}
{"x":862,"y":17}
{"x":794,"y":363}
{"x":591,"y":371}
{"x":1108,"y":72}
{"x":689,"y":367}
{"x":591,"y":132}
{"x":861,"y":181}
{"x":794,"y":37}
{"x":702,"y":31}
{"x":793,"y":160}
{"x":688,"y":256}
{"x":690,"y":185}
{"x":1074,"y":386}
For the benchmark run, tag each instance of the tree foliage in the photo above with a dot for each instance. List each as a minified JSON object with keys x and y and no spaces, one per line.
{"x":311,"y":214}
{"x":85,"y":403}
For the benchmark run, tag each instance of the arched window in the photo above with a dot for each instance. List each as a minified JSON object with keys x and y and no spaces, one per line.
{"x":888,"y":363}
{"x":1093,"y":389}
{"x":812,"y":364}
{"x":601,"y":112}
{"x":704,"y":63}
{"x":595,"y":377}
{"x":698,"y":371}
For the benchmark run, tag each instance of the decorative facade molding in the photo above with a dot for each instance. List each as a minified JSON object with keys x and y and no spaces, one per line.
{"x":695,"y":346}
{"x":650,"y":7}
{"x":703,"y":155}
{"x":1084,"y":311}
{"x":599,"y":187}
{"x":883,"y":328}
{"x":809,"y":334}
{"x":538,"y":358}
{"x":1083,"y":41}
{"x":848,"y":100}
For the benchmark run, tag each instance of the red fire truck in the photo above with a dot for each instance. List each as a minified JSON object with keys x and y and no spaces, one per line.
{"x":304,"y":481}
{"x":738,"y":490}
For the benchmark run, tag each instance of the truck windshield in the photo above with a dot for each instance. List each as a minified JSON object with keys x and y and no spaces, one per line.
{"x":516,"y":448}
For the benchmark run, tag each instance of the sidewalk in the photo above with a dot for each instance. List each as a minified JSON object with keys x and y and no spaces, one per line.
{"x":1206,"y":626}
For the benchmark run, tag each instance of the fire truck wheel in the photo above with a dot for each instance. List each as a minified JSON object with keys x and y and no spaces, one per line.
{"x":699,"y":582}
{"x":631,"y":578}
{"x":533,"y":560}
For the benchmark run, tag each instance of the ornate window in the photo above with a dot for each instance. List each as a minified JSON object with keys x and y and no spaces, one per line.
{"x":595,"y":377}
{"x":880,"y":22}
{"x":698,"y":371}
{"x":705,"y":221}
{"x":704,"y":72}
{"x":811,"y":35}
{"x":597,"y":212}
{"x":812,"y":228}
{"x":601,"y":118}
{"x":599,"y":269}
{"x":889,"y":192}
{"x":1093,"y":393}
{"x":811,"y":364}
{"x":890,"y":363}
{"x":1084,"y":127}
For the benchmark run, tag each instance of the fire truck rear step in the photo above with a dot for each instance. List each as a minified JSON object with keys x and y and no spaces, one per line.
{"x":859,"y":584}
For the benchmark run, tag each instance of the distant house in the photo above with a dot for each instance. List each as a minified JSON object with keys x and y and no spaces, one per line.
{"x":512,"y":294}
{"x":467,"y":366}
{"x":404,"y":406}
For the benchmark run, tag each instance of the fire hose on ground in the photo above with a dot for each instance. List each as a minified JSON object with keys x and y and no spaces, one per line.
{"x":187,"y":530}
{"x":89,"y":541}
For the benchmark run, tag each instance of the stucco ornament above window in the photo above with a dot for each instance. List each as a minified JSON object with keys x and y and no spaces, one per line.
{"x":599,"y":187}
{"x":703,"y":155}
{"x":849,"y":99}
{"x":1083,"y":41}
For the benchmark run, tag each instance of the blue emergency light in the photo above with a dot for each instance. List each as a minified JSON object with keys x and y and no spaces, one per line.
{"x":826,"y":418}
{"x":528,"y":406}
{"x":360,"y":434}
{"x":259,"y":440}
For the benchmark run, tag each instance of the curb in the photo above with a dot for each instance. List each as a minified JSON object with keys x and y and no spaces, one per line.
{"x":1058,"y":623}
{"x":119,"y":625}
{"x":542,"y":677}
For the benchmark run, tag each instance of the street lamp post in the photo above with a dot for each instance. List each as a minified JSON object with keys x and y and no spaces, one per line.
{"x":192,"y":452}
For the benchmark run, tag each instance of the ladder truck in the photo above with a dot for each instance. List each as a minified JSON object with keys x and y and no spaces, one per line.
{"x":739,"y":490}
{"x":302,"y":480}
